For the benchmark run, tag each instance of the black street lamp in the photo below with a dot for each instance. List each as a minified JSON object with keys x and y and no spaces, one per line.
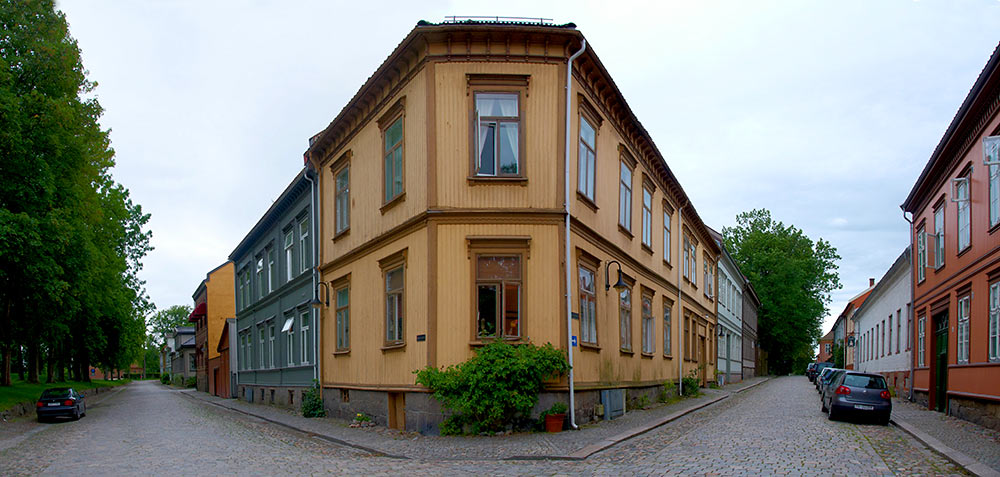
{"x":619,"y":284}
{"x":316,"y":303}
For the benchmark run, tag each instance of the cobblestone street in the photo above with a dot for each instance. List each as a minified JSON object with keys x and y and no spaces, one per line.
{"x":773,"y":429}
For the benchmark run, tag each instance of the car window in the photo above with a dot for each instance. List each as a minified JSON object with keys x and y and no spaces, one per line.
{"x":862,"y":381}
{"x":56,"y":393}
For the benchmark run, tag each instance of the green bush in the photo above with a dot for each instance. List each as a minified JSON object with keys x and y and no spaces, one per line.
{"x":496,"y":387}
{"x":691,"y":383}
{"x":165,"y":378}
{"x":191,"y":382}
{"x":312,"y":403}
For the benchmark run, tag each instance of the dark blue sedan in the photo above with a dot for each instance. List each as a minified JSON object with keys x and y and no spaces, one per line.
{"x":60,"y":402}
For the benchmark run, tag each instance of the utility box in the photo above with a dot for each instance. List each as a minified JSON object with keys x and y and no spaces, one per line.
{"x":614,"y":403}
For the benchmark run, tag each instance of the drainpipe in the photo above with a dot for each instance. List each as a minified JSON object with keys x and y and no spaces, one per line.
{"x":569,"y":269}
{"x":912,"y":310}
{"x":680,"y":304}
{"x":315,"y":272}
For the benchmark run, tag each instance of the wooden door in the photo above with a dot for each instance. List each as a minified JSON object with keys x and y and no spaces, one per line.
{"x":397,"y":411}
{"x":941,"y":362}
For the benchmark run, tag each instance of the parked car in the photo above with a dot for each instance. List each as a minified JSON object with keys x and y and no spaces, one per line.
{"x":824,"y":378}
{"x":809,"y":370}
{"x":818,"y":369}
{"x":56,"y":402}
{"x":854,"y":393}
{"x":829,"y":379}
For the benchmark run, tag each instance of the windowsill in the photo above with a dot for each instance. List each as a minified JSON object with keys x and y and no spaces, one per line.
{"x":647,"y":355}
{"x":647,"y":249}
{"x":964,"y":250}
{"x":667,"y":263}
{"x":994,"y":228}
{"x":626,"y":231}
{"x":938,"y":269}
{"x":507,"y":180}
{"x":341,"y":234}
{"x":393,"y":346}
{"x":587,"y":201}
{"x":392,"y":202}
{"x":484,"y":342}
{"x":627,"y":351}
{"x":667,"y":356}
{"x":341,"y":352}
{"x":589,"y":346}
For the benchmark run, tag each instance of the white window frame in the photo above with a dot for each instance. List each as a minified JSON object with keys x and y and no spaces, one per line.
{"x":687,"y":261}
{"x":963,"y":329}
{"x":496,"y":122}
{"x":921,"y":254}
{"x":667,"y":335}
{"x":994,"y":325}
{"x":259,"y":270}
{"x":270,"y":344}
{"x":625,"y":195}
{"x":667,"y":216}
{"x":305,"y":317}
{"x":647,"y":216}
{"x":304,"y":248}
{"x":939,"y":237}
{"x":587,"y":163}
{"x":342,"y":199}
{"x":588,"y":305}
{"x":260,"y":356}
{"x":289,"y":253}
{"x":921,"y":340}
{"x":289,"y":341}
{"x":961,"y":193}
{"x":991,"y":158}
{"x":395,"y":303}
{"x":648,"y":324}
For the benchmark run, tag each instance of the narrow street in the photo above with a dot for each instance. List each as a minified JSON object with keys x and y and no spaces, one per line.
{"x":774,"y":429}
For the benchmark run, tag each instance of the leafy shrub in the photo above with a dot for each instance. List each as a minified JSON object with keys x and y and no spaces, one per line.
{"x":669,"y":388}
{"x":691,"y":383}
{"x":495,"y":387}
{"x":165,"y":378}
{"x":191,"y":382}
{"x":312,"y":403}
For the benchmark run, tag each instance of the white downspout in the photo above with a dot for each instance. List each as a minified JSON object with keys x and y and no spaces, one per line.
{"x":912,"y":312}
{"x":680,"y":304}
{"x":312,"y":245}
{"x":568,"y":260}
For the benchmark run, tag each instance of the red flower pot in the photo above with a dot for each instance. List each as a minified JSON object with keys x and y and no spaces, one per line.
{"x":554,"y":422}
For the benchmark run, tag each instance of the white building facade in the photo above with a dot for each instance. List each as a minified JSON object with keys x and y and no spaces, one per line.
{"x":883,"y":327}
{"x":730,"y":318}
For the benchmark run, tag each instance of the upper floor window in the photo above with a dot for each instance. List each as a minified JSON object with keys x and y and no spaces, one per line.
{"x":625,"y":197}
{"x":964,"y":211}
{"x":647,"y":217}
{"x":694,"y":262}
{"x":289,"y":244}
{"x":709,"y":278}
{"x":498,"y":296}
{"x":587,"y":159}
{"x":261,"y":277}
{"x":497,"y":142}
{"x":939,"y":236}
{"x":686,"y":258}
{"x":304,"y":246}
{"x":921,"y":253}
{"x":991,"y":157}
{"x":392,"y":140}
{"x":342,"y":201}
{"x":666,"y":234}
{"x":272,"y":269}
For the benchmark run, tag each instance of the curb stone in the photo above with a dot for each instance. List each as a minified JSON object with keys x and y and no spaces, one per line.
{"x":962,"y":459}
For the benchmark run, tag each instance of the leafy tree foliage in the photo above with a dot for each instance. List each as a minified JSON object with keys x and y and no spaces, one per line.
{"x":71,"y":239}
{"x":163,"y":322}
{"x":793,"y":277}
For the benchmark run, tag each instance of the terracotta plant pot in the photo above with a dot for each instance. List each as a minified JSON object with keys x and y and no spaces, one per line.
{"x":554,"y":422}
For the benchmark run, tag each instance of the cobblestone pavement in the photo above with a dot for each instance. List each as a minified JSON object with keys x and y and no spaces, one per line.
{"x":773,"y":429}
{"x":976,"y":441}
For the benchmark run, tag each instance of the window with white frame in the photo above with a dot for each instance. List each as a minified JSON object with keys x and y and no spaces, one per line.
{"x":497,"y":133}
{"x":588,"y":306}
{"x":963,"y":329}
{"x":270,"y":345}
{"x":666,"y":234}
{"x":260,"y":356}
{"x":394,"y":305}
{"x":343,"y":296}
{"x":991,"y":157}
{"x":994,"y":335}
{"x":625,"y":318}
{"x":289,"y":330}
{"x":921,"y":253}
{"x":392,"y":170}
{"x":889,"y":333}
{"x":939,"y":237}
{"x":261,"y":278}
{"x":685,"y":258}
{"x":647,"y":217}
{"x":272,"y":269}
{"x":304,"y":248}
{"x":964,"y":211}
{"x":921,"y":333}
{"x":694,"y":263}
{"x":724,"y":290}
{"x":625,"y":196}
{"x":289,"y":263}
{"x":667,"y":319}
{"x":899,"y":329}
{"x":307,"y":343}
{"x":647,"y":324}
{"x":587,"y":159}
{"x":342,"y":201}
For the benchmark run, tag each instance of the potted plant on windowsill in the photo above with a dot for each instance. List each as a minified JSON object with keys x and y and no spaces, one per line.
{"x":555,"y":417}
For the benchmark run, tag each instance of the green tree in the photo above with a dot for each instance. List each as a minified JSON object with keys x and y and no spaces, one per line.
{"x":163,"y":322}
{"x":793,"y":277}
{"x":71,"y":239}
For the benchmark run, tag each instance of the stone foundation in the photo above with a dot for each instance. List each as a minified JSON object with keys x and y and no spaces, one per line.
{"x":284,"y":396}
{"x":979,"y":411}
{"x":922,"y":398}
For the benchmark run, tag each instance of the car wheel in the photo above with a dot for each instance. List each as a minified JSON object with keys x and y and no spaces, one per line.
{"x":831,"y":416}
{"x":822,"y":405}
{"x":41,"y":419}
{"x":884,"y":420}
{"x":84,"y":413}
{"x":76,"y":414}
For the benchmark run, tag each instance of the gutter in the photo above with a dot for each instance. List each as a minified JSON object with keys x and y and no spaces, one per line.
{"x":680,"y":305}
{"x":568,"y":258}
{"x":312,"y":244}
{"x":912,"y":310}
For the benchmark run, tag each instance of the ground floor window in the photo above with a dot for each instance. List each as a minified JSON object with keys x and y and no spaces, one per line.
{"x":994,"y":336}
{"x":625,"y":318}
{"x":498,"y":296}
{"x":588,"y":306}
{"x":666,"y":327}
{"x":343,"y":318}
{"x":647,"y":324}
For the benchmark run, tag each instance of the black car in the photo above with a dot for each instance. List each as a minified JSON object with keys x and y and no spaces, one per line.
{"x":818,"y":368}
{"x":856,"y":393}
{"x":60,"y":402}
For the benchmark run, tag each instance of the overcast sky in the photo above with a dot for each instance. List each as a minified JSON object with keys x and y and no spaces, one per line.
{"x":822,"y":112}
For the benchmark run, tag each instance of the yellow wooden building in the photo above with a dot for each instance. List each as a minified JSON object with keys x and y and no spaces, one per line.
{"x":443,"y":225}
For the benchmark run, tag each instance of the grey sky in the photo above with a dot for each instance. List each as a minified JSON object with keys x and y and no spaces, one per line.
{"x":823,"y":113}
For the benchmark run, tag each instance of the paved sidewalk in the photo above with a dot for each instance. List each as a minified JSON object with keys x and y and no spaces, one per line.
{"x":972,"y":446}
{"x":568,"y":445}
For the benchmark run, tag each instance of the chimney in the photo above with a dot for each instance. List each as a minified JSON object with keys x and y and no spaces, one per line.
{"x":871,"y":282}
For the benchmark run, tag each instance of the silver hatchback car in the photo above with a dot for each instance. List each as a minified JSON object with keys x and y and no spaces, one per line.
{"x":857,"y":393}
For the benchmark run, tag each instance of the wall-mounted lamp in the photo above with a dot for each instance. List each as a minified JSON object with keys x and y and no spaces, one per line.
{"x":316,"y":303}
{"x":619,"y":284}
{"x":722,"y":332}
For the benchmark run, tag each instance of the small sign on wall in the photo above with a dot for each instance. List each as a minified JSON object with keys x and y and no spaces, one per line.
{"x":574,"y":341}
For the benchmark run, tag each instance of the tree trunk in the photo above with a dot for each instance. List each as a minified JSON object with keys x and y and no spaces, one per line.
{"x":5,"y":366}
{"x":33,"y":361}
{"x":18,"y":362}
{"x":5,"y":339}
{"x":50,"y":366}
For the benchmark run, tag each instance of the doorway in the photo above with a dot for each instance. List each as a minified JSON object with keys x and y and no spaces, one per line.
{"x":941,"y":361}
{"x":397,"y":411}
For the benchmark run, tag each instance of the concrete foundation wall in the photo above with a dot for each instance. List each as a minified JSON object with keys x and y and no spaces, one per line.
{"x":284,"y":396}
{"x":982,"y":412}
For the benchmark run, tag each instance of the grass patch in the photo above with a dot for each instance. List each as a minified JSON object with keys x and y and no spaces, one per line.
{"x":20,"y":391}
